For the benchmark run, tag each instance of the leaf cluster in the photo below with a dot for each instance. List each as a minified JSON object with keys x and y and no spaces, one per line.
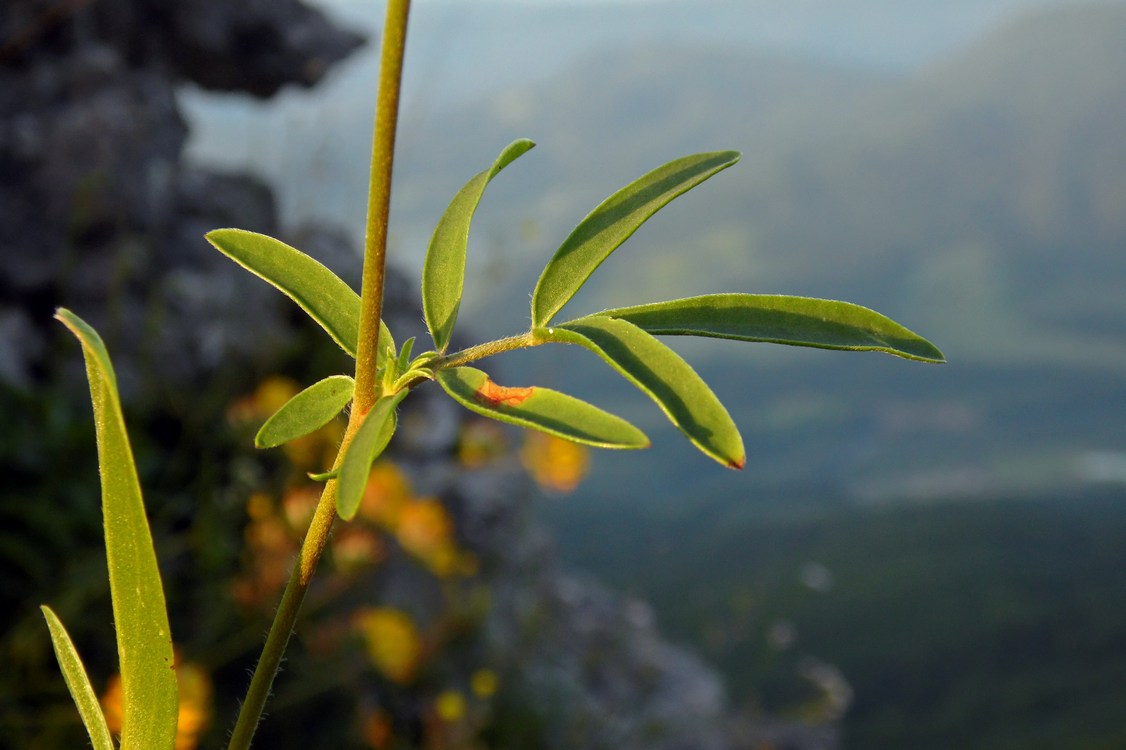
{"x":625,"y":338}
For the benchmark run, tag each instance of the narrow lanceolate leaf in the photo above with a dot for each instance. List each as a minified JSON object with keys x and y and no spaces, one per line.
{"x":78,"y":683}
{"x":443,"y":273}
{"x":612,"y":223}
{"x":385,"y":352}
{"x":309,"y":410}
{"x":370,"y":440}
{"x":660,"y":373}
{"x":319,"y":292}
{"x":405,"y":356}
{"x":144,"y":640}
{"x":540,"y":409}
{"x":780,"y":319}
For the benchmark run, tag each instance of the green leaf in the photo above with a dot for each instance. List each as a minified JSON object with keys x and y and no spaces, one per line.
{"x":612,"y":223}
{"x":385,"y":352}
{"x":370,"y":440}
{"x":144,"y":639}
{"x":309,"y":410}
{"x":405,"y":356}
{"x":319,"y":292}
{"x":661,"y":374}
{"x":78,"y":683}
{"x":780,"y":319}
{"x":443,"y":273}
{"x":541,"y":409}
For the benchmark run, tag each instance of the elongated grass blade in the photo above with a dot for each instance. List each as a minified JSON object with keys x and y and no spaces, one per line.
{"x":144,"y":639}
{"x":78,"y":683}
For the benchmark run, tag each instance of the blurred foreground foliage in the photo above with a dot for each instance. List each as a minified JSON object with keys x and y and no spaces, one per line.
{"x":227,"y":521}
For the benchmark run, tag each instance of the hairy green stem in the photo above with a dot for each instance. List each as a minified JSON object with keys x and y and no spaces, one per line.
{"x":379,"y":199}
{"x":488,"y":349}
{"x":375,"y":252}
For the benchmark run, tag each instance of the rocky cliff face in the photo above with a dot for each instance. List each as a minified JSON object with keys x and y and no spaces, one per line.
{"x":94,"y":199}
{"x":99,"y":213}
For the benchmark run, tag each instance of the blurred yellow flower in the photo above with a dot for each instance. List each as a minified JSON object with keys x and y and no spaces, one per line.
{"x":195,"y":704}
{"x":376,"y":728}
{"x":355,"y":548}
{"x":272,"y":393}
{"x":393,"y":643}
{"x":111,"y":704}
{"x":481,"y":441}
{"x":298,"y":506}
{"x":259,"y":505}
{"x":450,"y":706}
{"x":468,"y":565}
{"x":555,"y":464}
{"x":267,"y":398}
{"x":426,"y":531}
{"x":484,"y":683}
{"x":315,"y":451}
{"x":387,"y":491}
{"x":310,"y":452}
{"x":270,"y":546}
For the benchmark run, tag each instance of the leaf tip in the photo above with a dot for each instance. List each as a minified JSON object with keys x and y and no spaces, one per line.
{"x":66,"y":317}
{"x":737,"y":463}
{"x":221,"y":231}
{"x":214,"y":236}
{"x":922,"y":350}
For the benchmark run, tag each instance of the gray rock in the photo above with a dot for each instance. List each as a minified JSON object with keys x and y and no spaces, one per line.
{"x":97,"y":211}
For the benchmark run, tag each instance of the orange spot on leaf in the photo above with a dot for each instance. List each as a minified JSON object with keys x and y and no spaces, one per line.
{"x":494,"y":395}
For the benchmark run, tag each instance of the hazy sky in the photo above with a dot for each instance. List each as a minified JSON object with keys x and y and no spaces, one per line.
{"x":354,"y":3}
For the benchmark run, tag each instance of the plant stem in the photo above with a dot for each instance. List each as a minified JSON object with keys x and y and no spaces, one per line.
{"x":488,"y":349}
{"x":315,"y":540}
{"x":379,"y":200}
{"x":371,"y":308}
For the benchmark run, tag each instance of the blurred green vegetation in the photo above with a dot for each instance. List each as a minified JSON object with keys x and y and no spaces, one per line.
{"x":986,"y":624}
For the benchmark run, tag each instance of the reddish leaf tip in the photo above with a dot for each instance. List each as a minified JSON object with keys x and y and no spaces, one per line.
{"x":738,"y":463}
